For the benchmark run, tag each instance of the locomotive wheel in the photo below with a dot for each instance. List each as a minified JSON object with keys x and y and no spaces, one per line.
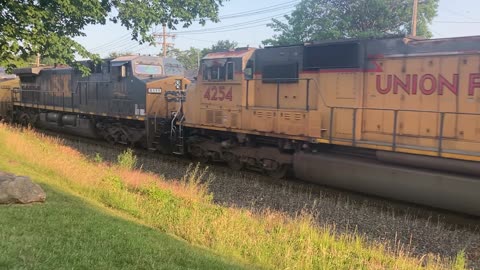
{"x":197,"y":154}
{"x":233,"y":162}
{"x":24,"y":119}
{"x":279,"y":173}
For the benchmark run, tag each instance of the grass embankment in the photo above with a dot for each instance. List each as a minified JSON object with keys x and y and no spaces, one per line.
{"x":184,"y":208}
{"x":69,"y":233}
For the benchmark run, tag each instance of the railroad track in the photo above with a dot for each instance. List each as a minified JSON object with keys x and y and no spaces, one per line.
{"x":400,"y":207}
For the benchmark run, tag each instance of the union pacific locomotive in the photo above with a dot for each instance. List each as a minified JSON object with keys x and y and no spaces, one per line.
{"x":396,"y":117}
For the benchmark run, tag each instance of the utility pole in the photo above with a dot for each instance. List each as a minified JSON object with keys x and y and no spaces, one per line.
{"x":164,"y":35}
{"x":414,"y":18}
{"x":37,"y":60}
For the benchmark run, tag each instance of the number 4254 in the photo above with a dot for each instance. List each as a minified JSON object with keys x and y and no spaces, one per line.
{"x":218,"y":93}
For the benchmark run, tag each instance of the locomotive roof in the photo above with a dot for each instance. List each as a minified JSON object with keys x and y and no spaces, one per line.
{"x":30,"y":70}
{"x":238,"y":53}
{"x":397,"y":45}
{"x":125,"y":58}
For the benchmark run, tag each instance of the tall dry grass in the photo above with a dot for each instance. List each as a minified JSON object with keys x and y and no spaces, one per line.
{"x":185,"y":208}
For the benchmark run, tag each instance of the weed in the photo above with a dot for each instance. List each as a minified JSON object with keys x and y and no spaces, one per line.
{"x":127,"y":159}
{"x":98,"y":158}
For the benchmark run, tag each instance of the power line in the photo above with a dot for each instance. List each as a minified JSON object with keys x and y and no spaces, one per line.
{"x":261,"y":11}
{"x":124,"y":39}
{"x":209,"y":41}
{"x":459,"y":14}
{"x":456,"y":22}
{"x":231,"y":26}
{"x":264,"y":10}
{"x":111,"y":42}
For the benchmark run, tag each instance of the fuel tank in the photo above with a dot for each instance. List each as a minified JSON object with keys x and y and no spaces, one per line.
{"x":67,"y":123}
{"x":435,"y":163}
{"x":455,"y":192}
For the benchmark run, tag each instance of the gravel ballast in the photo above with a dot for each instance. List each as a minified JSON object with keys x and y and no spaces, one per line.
{"x":403,"y":227}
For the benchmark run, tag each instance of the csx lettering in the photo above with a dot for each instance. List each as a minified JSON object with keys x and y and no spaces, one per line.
{"x":427,"y":84}
{"x":218,"y":93}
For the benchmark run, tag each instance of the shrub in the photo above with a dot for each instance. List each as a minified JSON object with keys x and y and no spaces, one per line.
{"x":98,"y":158}
{"x":127,"y":159}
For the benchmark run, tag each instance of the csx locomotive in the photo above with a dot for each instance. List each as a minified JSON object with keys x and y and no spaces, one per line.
{"x":394,"y":117}
{"x":128,"y":100}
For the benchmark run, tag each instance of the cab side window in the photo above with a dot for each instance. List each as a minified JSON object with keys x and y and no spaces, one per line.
{"x":248,"y":72}
{"x":219,"y":72}
{"x":230,"y":70}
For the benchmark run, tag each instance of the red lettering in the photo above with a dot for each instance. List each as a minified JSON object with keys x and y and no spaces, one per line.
{"x":452,"y":86}
{"x":214,"y":90}
{"x":473,"y":83}
{"x":221,"y":90}
{"x":424,"y":88}
{"x":414,"y":84}
{"x":397,"y":82}
{"x":212,"y":93}
{"x":229,"y":96}
{"x":207,"y":94}
{"x":387,"y":89}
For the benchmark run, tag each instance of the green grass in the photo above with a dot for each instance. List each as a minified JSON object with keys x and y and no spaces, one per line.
{"x":68,"y":233}
{"x":183,"y":208}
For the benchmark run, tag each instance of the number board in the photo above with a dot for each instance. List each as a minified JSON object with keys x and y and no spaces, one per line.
{"x":218,"y":93}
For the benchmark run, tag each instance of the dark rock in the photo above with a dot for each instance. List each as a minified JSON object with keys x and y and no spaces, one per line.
{"x":19,"y":189}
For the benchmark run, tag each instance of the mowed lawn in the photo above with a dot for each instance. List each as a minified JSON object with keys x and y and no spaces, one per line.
{"x":67,"y":232}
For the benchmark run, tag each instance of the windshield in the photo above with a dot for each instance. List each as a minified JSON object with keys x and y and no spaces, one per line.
{"x":148,"y":69}
{"x":173,"y":67}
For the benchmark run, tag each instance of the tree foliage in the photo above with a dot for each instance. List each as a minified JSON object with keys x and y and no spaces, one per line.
{"x":221,"y":45}
{"x":189,"y":58}
{"x":48,"y":27}
{"x":337,"y":19}
{"x":114,"y":55}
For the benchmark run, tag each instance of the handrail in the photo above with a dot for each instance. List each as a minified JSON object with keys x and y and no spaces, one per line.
{"x":394,"y":142}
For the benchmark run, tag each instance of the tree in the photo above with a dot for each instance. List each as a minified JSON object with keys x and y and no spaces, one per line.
{"x":114,"y":55}
{"x":190,"y":58}
{"x":221,"y":45}
{"x":338,"y":19}
{"x":48,"y":27}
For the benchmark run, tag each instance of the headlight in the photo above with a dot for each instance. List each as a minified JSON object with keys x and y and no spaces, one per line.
{"x":178,"y":84}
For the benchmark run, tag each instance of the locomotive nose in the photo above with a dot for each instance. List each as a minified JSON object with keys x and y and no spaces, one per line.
{"x":167,"y":84}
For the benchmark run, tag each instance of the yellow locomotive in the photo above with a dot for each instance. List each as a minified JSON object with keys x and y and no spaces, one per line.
{"x":356,"y":114}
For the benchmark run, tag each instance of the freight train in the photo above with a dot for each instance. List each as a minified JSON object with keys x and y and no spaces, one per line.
{"x":393,"y":117}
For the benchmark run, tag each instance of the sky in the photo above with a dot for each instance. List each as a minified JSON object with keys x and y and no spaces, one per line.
{"x":455,"y":18}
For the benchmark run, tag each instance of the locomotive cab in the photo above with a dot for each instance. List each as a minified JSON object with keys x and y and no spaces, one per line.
{"x":220,"y":93}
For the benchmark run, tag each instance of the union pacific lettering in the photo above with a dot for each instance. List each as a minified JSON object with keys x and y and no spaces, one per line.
{"x":426,"y":84}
